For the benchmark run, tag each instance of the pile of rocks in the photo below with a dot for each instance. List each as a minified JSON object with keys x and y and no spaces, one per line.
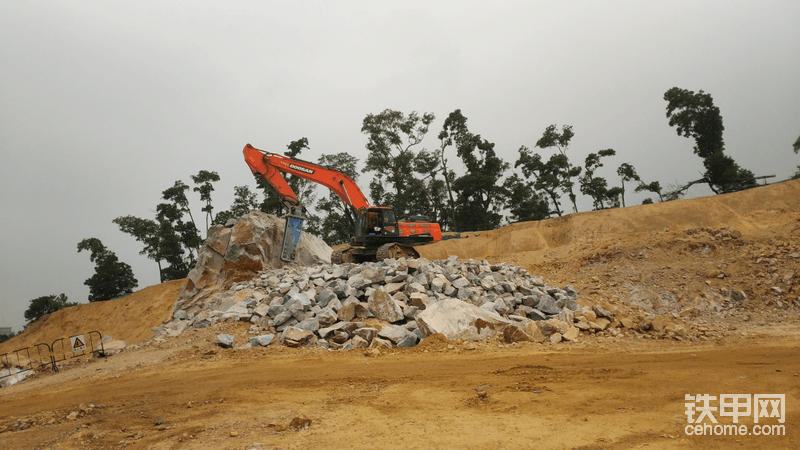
{"x":403,"y":300}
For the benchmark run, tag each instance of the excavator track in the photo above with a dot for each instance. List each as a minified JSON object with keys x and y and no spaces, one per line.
{"x":342,"y":256}
{"x":395,"y":251}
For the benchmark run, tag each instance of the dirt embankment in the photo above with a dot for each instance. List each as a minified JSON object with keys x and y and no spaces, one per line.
{"x":128,"y":319}
{"x":675,"y":260}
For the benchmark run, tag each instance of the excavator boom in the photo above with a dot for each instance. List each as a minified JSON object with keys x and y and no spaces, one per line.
{"x":269,"y":166}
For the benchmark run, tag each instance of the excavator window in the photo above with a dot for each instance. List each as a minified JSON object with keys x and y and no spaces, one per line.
{"x":381,"y":222}
{"x":389,"y":221}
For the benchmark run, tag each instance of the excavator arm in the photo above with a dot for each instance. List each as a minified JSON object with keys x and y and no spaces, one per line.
{"x":270,"y":167}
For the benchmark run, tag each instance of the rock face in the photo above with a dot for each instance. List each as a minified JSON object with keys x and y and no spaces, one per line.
{"x":230,"y":255}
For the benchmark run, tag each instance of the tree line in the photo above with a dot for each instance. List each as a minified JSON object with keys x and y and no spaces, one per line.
{"x":478,"y":194}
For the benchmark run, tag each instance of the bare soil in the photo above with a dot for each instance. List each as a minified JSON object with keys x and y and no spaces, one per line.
{"x":682,"y":262}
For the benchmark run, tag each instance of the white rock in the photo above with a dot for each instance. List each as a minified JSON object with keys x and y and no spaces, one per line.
{"x":460,"y":320}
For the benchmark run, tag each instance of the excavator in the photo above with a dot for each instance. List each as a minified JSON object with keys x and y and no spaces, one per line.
{"x":377,"y":233}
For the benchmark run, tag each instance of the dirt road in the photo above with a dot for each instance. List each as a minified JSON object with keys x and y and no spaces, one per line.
{"x":604,"y":393}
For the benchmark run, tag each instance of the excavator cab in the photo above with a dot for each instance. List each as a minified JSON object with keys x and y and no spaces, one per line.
{"x":376,"y":225}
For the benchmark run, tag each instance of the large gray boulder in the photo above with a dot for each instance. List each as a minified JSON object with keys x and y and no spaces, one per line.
{"x":230,"y":255}
{"x":460,"y":320}
{"x":384,"y":307}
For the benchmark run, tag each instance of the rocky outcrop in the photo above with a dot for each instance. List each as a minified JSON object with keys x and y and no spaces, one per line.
{"x":238,"y":253}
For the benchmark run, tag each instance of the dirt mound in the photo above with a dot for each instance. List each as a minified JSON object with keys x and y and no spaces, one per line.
{"x":128,"y":318}
{"x":734,"y":254}
{"x":751,"y":210}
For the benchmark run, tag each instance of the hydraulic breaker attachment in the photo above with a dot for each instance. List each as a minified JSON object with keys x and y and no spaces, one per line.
{"x":291,"y":233}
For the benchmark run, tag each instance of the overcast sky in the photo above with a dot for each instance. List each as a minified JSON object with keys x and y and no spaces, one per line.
{"x":103,"y":104}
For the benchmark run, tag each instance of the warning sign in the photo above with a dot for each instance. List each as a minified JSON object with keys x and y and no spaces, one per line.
{"x":78,"y":343}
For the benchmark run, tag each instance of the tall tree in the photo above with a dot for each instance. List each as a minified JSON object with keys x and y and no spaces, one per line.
{"x":172,"y":245}
{"x":204,"y":180}
{"x":454,"y":131}
{"x":481,"y":197}
{"x":548,"y":175}
{"x":146,"y":232}
{"x":112,"y":278}
{"x":524,"y":202}
{"x":627,"y":173}
{"x":168,"y":239}
{"x":244,"y":201}
{"x":273,"y":203}
{"x":560,"y":140}
{"x":45,"y":305}
{"x":391,"y":138}
{"x":188,"y":232}
{"x":336,"y":225}
{"x":695,"y":116}
{"x":654,"y":187}
{"x":596,"y":187}
{"x":796,"y":149}
{"x":177,"y":195}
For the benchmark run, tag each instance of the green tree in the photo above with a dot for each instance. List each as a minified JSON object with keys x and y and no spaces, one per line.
{"x":203,"y":180}
{"x":172,"y":244}
{"x":596,"y":187}
{"x":177,"y":195}
{"x":188,"y":231}
{"x":627,"y":173}
{"x":523,"y":201}
{"x":695,"y":116}
{"x":552,"y":138}
{"x":454,"y":132}
{"x":336,"y":225}
{"x":244,"y":201}
{"x":145,"y":231}
{"x":480,"y":196}
{"x":654,"y":187}
{"x":112,"y":278}
{"x":45,"y":305}
{"x":391,"y":138}
{"x":273,"y":203}
{"x":430,"y":193}
{"x":548,"y":175}
{"x":797,"y":145}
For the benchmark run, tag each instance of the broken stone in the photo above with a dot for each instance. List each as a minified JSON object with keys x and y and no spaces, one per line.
{"x":398,"y":335}
{"x":262,"y":341}
{"x":383,"y":306}
{"x":522,"y":332}
{"x":294,"y":337}
{"x":460,"y":320}
{"x":225,"y":340}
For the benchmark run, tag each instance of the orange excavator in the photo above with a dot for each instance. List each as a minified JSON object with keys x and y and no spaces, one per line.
{"x":378,"y":234}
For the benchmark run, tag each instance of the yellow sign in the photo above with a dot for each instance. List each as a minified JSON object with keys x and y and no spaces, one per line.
{"x":78,"y":343}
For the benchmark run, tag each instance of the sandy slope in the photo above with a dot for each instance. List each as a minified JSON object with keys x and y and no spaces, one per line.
{"x":128,"y":319}
{"x":672,"y":259}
